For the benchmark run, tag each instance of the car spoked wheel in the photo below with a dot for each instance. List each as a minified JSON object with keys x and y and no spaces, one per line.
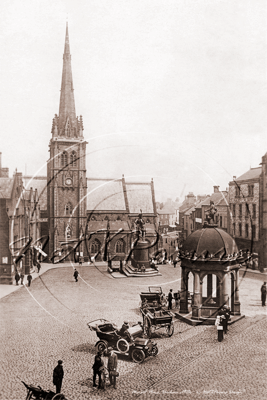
{"x":102,"y":347}
{"x":123,"y":346}
{"x":170,"y":329}
{"x":138,"y":356}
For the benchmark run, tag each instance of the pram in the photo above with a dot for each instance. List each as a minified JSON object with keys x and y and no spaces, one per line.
{"x":37,"y":393}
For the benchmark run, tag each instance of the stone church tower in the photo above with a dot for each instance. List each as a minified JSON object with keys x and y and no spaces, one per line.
{"x":66,"y":168}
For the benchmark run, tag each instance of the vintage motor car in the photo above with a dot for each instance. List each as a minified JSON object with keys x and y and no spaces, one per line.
{"x":137,"y":347}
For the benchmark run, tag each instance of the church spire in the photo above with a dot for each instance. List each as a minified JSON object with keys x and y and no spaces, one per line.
{"x":67,"y":123}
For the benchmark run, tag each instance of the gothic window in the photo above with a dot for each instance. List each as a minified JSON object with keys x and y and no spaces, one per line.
{"x":246,"y":227}
{"x":233,"y":229}
{"x":254,"y":211}
{"x":240,"y":210}
{"x":95,"y":246}
{"x":73,"y":158}
{"x":75,"y":132}
{"x":120,"y":246}
{"x":253,"y":234}
{"x":68,"y":209}
{"x":237,"y":191}
{"x":233,"y":210}
{"x":240,"y":229}
{"x":64,"y":158}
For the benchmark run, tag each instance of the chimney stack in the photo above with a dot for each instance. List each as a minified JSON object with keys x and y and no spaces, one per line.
{"x":216,"y":189}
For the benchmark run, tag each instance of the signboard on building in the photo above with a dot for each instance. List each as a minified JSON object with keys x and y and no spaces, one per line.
{"x":4,"y":260}
{"x":199,"y":220}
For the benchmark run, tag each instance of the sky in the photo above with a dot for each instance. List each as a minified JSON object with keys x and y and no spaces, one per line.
{"x":173,"y":90}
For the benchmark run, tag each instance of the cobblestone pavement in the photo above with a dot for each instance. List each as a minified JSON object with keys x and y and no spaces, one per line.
{"x":47,"y":322}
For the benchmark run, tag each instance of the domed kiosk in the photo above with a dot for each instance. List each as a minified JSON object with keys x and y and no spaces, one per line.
{"x":212,"y":256}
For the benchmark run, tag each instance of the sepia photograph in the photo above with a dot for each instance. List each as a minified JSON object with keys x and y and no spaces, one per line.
{"x":133,"y":199}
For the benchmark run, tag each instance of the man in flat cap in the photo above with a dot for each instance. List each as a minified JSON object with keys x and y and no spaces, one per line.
{"x":58,"y":374}
{"x":263,"y":294}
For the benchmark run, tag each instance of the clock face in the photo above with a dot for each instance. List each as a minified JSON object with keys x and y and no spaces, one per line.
{"x":68,"y":181}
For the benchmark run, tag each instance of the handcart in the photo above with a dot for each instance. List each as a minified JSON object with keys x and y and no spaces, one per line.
{"x":37,"y":393}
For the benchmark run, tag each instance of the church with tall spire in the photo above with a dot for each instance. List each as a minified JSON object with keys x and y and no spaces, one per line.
{"x":66,"y":168}
{"x":73,"y":206}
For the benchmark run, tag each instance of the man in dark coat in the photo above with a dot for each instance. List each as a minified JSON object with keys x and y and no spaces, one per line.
{"x":170,"y":297}
{"x":97,"y":365}
{"x":76,"y":274}
{"x":226,"y":314}
{"x":21,"y":278}
{"x":58,"y":374}
{"x":263,"y":294}
{"x":38,"y":265}
{"x":29,"y":279}
{"x":17,"y":278}
{"x":112,"y":366}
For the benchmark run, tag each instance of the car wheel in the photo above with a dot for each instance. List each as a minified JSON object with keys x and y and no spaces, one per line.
{"x":154,"y":350}
{"x":138,"y":356}
{"x":123,"y":346}
{"x":170,"y":329}
{"x":102,"y":346}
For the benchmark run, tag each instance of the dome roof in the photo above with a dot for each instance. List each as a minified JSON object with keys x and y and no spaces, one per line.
{"x":211,"y":239}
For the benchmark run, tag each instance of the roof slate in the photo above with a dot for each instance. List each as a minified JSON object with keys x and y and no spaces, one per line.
{"x":253,"y":173}
{"x":6,"y":185}
{"x":140,"y":197}
{"x":105,"y":195}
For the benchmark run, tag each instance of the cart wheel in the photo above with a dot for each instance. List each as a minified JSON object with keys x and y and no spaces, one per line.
{"x":147,"y":329}
{"x":123,"y":346}
{"x":138,"y":356}
{"x":154,"y":350}
{"x":101,"y":346}
{"x":170,"y":329}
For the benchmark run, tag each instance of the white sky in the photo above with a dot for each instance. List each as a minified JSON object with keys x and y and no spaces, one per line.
{"x":178,"y":87}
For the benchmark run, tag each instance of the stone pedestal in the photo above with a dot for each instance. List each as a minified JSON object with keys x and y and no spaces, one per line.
{"x":140,"y":255}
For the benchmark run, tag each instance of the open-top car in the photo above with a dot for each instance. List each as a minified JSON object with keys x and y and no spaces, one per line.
{"x":133,"y":344}
{"x":153,"y":298}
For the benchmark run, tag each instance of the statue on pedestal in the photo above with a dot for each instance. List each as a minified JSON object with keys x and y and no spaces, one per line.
{"x":210,"y":217}
{"x":140,"y":226}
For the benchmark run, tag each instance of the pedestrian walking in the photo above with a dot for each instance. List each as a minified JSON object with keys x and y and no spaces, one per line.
{"x":80,"y":261}
{"x":29,"y":279}
{"x":76,"y":274}
{"x":227,"y":315}
{"x":21,"y":278}
{"x":112,"y":367}
{"x":219,"y":325}
{"x":170,"y":297}
{"x":175,"y":262}
{"x":38,"y":265}
{"x":96,"y":368}
{"x":17,"y":278}
{"x":263,"y":294}
{"x":58,"y":374}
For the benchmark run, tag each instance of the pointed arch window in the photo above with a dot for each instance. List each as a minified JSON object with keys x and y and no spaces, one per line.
{"x":120,"y":246}
{"x":64,"y":159}
{"x":95,"y":246}
{"x":68,"y":209}
{"x":73,"y":158}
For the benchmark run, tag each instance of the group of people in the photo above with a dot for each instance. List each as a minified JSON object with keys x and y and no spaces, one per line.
{"x":20,"y":277}
{"x":222,"y":320}
{"x":99,"y":369}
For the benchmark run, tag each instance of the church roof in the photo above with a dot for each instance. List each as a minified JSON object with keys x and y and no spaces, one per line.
{"x":140,"y":197}
{"x":105,"y":195}
{"x":116,"y":195}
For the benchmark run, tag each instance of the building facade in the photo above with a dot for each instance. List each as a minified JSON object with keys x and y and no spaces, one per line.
{"x":244,"y":201}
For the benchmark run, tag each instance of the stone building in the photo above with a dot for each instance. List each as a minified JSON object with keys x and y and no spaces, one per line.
{"x":244,"y":201}
{"x":19,"y":220}
{"x":72,"y":206}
